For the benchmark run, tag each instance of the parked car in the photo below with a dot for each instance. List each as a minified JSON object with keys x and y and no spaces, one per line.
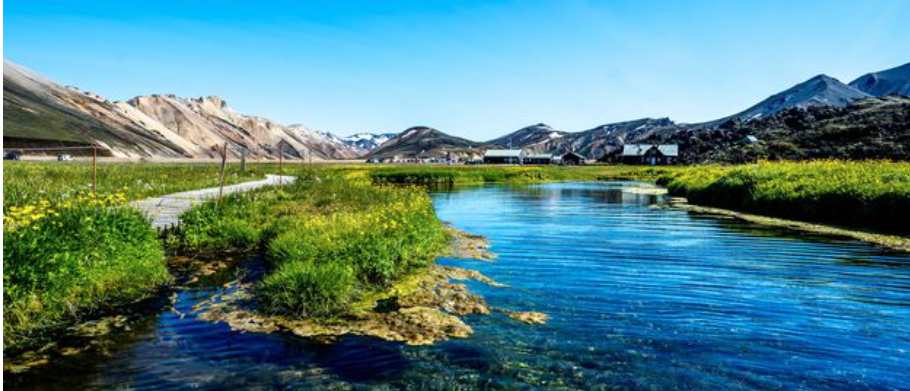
{"x":12,"y":156}
{"x":64,"y":158}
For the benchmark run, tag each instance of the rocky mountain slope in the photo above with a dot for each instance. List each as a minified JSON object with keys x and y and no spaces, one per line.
{"x":821,"y":90}
{"x":39,"y":112}
{"x":424,"y":142}
{"x":871,"y":128}
{"x":891,"y":81}
{"x":593,"y":143}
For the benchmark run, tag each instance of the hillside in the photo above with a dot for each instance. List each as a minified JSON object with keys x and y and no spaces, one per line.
{"x":423,"y":141}
{"x":892,"y":81}
{"x":821,"y":90}
{"x":872,"y":128}
{"x":593,"y":143}
{"x":40,"y":112}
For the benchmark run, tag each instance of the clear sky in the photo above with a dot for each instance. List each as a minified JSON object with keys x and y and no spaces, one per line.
{"x":477,"y":69}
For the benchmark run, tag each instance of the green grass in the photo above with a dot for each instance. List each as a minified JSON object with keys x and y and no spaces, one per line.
{"x":64,"y":265}
{"x":27,"y":182}
{"x":328,"y":239}
{"x":864,"y":194}
{"x":456,"y":175}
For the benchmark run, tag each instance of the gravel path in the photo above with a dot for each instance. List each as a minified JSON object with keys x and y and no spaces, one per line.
{"x":165,"y":211}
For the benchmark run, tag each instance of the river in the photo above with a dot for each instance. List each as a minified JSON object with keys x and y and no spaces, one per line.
{"x":642,"y":297}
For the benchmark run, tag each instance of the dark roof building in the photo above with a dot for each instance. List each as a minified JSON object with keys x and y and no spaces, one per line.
{"x":503,"y":156}
{"x":573,"y":159}
{"x":656,"y":154}
{"x":539,"y":158}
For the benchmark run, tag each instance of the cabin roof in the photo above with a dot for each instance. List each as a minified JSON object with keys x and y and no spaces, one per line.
{"x":641,"y":149}
{"x":576,"y":154}
{"x":503,"y":153}
{"x":540,"y":156}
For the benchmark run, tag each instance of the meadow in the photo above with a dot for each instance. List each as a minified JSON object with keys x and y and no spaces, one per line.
{"x":861,"y":194}
{"x":459,"y":175}
{"x":29,"y":182}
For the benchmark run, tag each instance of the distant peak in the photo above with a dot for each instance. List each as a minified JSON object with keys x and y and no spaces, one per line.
{"x":825,"y":79}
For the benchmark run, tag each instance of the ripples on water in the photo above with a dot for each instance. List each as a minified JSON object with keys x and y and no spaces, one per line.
{"x":642,"y":298}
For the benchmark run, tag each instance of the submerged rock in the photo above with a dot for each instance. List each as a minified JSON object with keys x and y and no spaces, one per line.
{"x":467,"y":246}
{"x":529,"y":317}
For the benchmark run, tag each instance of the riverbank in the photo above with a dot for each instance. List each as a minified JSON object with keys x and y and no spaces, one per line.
{"x":891,"y":242}
{"x":867,"y":195}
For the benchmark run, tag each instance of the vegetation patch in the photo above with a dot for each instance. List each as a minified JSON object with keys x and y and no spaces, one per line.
{"x":26,"y":182}
{"x":449,"y":175}
{"x":73,"y":260}
{"x":863,"y":194}
{"x":328,"y":239}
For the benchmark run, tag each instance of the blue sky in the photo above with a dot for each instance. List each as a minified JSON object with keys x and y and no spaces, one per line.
{"x":477,"y":69}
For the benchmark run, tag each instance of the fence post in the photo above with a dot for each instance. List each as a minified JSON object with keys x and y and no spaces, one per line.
{"x":223,"y":162}
{"x":243,"y":161}
{"x":280,"y":162}
{"x":94,"y":168}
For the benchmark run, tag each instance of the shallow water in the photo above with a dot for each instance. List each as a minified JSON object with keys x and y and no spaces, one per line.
{"x":641,"y":298}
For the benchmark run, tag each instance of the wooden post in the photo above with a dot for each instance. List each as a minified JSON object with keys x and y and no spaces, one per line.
{"x":243,"y":161}
{"x":280,"y":162}
{"x":223,"y":162}
{"x":94,"y":168}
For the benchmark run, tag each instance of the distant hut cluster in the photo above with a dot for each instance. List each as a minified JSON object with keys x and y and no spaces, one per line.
{"x":650,"y":154}
{"x":517,"y":156}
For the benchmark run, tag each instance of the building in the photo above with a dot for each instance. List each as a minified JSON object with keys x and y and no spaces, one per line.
{"x":503,"y":156}
{"x":656,"y":154}
{"x":539,"y":158}
{"x":573,"y":159}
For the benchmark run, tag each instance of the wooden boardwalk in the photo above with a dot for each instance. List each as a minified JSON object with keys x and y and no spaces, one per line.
{"x":164,"y":212}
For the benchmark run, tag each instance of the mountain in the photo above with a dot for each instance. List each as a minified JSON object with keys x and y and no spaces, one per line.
{"x":593,"y":143}
{"x":537,"y":138}
{"x":39,"y":112}
{"x":871,"y":128}
{"x":821,"y":90}
{"x":423,"y":141}
{"x":891,"y":81}
{"x":367,"y":141}
{"x":606,"y":139}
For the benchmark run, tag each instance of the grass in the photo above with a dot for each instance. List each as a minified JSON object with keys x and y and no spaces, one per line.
{"x":864,"y":194}
{"x":69,"y":255}
{"x":456,"y":175}
{"x":63,"y":263}
{"x":27,"y":182}
{"x":330,"y":238}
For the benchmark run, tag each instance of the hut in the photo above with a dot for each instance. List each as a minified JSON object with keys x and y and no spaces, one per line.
{"x":503,"y":156}
{"x":656,"y":154}
{"x":539,"y":158}
{"x":573,"y":159}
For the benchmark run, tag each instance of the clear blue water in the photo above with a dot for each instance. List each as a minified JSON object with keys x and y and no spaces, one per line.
{"x":641,"y":297}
